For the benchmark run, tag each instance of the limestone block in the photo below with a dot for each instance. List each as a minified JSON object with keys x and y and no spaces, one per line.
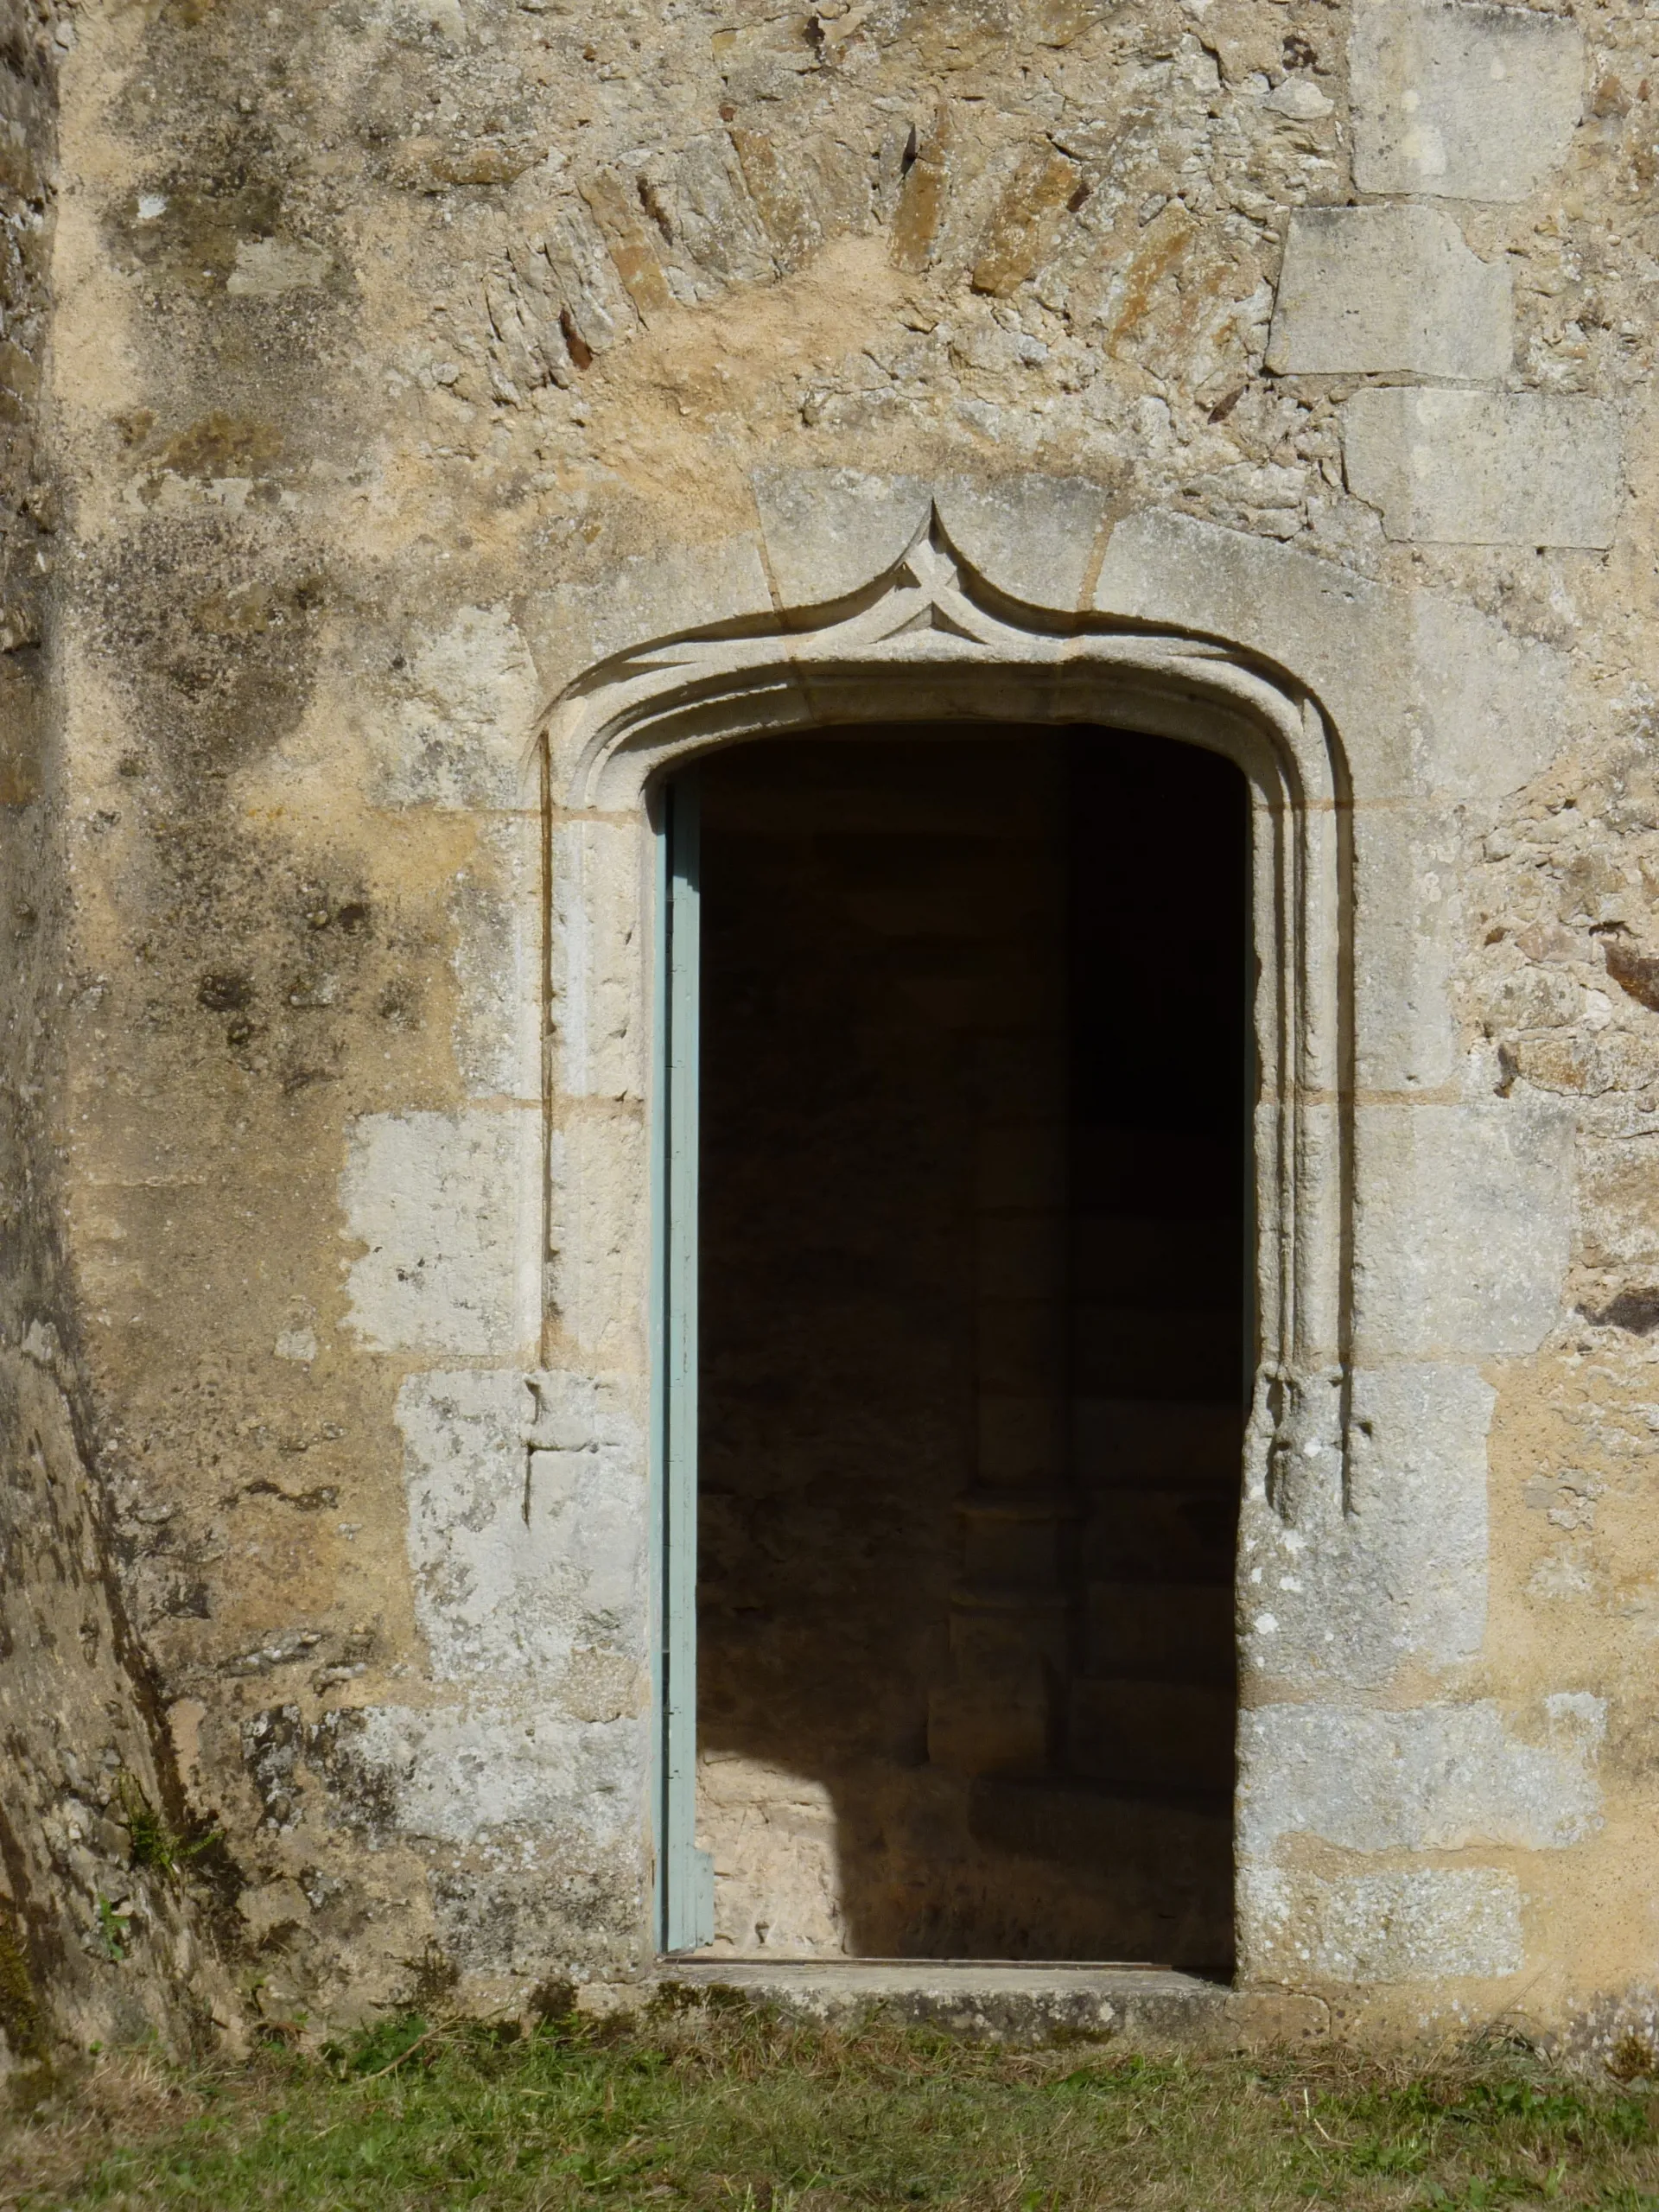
{"x":522,"y":1555}
{"x":588,"y":1443}
{"x":495,"y":905}
{"x":638,"y":602}
{"x":1466,"y":101}
{"x":470,"y":1773}
{"x":1389,"y":290}
{"x":1464,"y":1223}
{"x":1425,"y":694}
{"x":1408,"y":919}
{"x":1441,"y":1778}
{"x":829,"y":531}
{"x":1485,"y":469}
{"x":1417,"y":1535}
{"x":1401,"y":1573}
{"x":1031,"y":536}
{"x":447,"y":1208}
{"x":1417,"y":1923}
{"x":1492,"y":710}
{"x":463,"y":734}
{"x":599,"y":980}
{"x":597,"y":1209}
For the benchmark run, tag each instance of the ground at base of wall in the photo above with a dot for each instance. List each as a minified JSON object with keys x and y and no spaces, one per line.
{"x":707,"y":2101}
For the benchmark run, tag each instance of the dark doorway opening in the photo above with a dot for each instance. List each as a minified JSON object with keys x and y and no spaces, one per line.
{"x":976,"y":1337}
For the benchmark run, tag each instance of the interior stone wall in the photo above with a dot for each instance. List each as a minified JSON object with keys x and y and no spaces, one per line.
{"x":413,"y":356}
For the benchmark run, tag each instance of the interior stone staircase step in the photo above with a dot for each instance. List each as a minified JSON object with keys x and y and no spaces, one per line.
{"x":1176,"y":1735}
{"x":1171,"y":1632}
{"x":1161,"y":1535}
{"x":1157,"y":1353}
{"x":1133,"y":1258}
{"x":1126,"y":1437}
{"x":1016,"y":1537}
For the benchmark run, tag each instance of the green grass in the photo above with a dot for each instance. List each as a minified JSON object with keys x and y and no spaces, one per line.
{"x":712,"y":2107}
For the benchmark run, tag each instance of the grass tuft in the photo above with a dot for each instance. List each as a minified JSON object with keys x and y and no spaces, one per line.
{"x":717,"y":2107}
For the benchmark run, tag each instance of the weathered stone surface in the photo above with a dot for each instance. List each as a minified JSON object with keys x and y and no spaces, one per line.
{"x":654,"y":596}
{"x":1464,"y":1227}
{"x":597,"y":991}
{"x":401,"y":376}
{"x":460,"y":734}
{"x":1403,"y":1572}
{"x":1420,"y":1924}
{"x":1485,"y":469}
{"x":523,"y":1526}
{"x":1426,"y":693}
{"x":1442,"y":1778}
{"x":1468,"y":101}
{"x":484,"y":1773}
{"x":437,"y":1201}
{"x":829,"y":532}
{"x":1025,"y":219}
{"x":1389,"y":290}
{"x":1035,"y":537}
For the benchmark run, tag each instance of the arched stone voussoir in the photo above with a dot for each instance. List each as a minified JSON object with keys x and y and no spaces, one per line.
{"x":1429,"y":697}
{"x":831,"y":533}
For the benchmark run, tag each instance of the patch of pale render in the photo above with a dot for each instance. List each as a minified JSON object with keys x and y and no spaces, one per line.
{"x":1382,"y":291}
{"x":1465,"y":101}
{"x":462,"y":732}
{"x":524,"y":1535}
{"x":1439,"y":1778}
{"x":488,"y":1771}
{"x":267,"y":268}
{"x":1485,"y":469}
{"x":1421,"y":1924}
{"x":447,"y":1207}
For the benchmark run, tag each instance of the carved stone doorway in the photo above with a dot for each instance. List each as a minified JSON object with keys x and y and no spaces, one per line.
{"x":974,"y":1365}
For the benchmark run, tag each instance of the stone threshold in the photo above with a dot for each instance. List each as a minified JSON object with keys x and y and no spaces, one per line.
{"x":1013,"y":2000}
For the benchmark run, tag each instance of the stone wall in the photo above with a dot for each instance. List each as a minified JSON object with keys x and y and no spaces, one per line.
{"x":411,"y":357}
{"x":97,"y":1939}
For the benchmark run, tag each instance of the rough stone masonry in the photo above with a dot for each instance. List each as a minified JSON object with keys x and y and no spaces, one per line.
{"x":423,"y":421}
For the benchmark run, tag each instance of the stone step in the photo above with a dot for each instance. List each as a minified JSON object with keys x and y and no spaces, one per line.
{"x":1191,"y":1177}
{"x":1003,"y":2000}
{"x":997,"y":1623}
{"x":1187,"y":1535}
{"x":1189,"y":1353}
{"x":1148,"y":1260}
{"x":1176,"y":1735}
{"x":1127,"y":1437}
{"x":1017,"y":1538}
{"x":1003,"y":1716}
{"x":1164,"y":1632}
